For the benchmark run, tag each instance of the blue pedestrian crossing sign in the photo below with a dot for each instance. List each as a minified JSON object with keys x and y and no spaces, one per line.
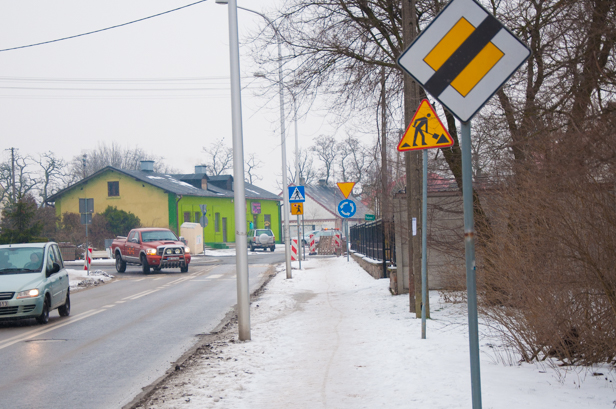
{"x":347,"y":208}
{"x":296,"y":194}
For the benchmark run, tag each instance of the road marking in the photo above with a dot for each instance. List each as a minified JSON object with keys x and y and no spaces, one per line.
{"x":144,"y":294}
{"x":130,"y":297}
{"x":159,"y":278}
{"x":141,"y":279}
{"x":215,"y":276}
{"x":108,"y":306}
{"x":37,"y":332}
{"x":120,"y":302}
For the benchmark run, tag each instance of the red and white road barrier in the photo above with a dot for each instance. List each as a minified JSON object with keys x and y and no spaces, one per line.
{"x":294,"y":247}
{"x":88,"y":259}
{"x":313,"y":245}
{"x":337,"y":239}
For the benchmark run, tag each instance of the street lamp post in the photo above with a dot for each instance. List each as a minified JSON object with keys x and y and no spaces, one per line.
{"x":283,"y":145}
{"x":243,"y":295}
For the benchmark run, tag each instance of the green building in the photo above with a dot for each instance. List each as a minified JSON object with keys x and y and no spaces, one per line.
{"x":161,"y":200}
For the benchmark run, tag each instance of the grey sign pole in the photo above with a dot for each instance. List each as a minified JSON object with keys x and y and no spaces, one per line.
{"x":424,"y":246}
{"x":346,"y":231}
{"x":469,"y":246}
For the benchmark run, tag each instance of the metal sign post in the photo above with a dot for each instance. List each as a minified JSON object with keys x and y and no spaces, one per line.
{"x":462,"y":59}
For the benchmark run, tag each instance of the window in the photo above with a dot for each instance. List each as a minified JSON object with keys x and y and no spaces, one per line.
{"x":58,"y":255}
{"x":217,"y":222}
{"x":186,"y":216}
{"x":113,"y":189}
{"x":197,"y":217}
{"x":267,"y":221}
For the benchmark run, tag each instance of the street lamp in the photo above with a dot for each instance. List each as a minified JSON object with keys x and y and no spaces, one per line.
{"x":241,"y":260}
{"x":285,"y":190}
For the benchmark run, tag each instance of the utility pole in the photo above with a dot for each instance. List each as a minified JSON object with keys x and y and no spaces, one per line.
{"x":13,"y":173}
{"x":413,"y":162}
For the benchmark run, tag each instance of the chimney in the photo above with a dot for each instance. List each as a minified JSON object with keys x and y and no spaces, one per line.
{"x":322,"y":183}
{"x":147,"y":166}
{"x":200,"y":169}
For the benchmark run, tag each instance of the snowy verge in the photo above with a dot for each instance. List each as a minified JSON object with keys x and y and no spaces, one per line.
{"x":79,"y":279}
{"x":332,"y":336}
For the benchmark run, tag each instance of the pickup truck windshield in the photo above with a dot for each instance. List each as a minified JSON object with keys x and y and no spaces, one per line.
{"x":16,"y":260}
{"x":158,"y":235}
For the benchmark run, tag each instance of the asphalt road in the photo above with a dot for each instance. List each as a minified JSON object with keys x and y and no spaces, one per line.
{"x":120,"y":336}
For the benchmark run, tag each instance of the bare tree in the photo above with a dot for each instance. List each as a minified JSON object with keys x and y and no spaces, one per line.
{"x":113,"y":155}
{"x":324,"y":148}
{"x":252,"y":164}
{"x":20,"y":170}
{"x":52,"y":177}
{"x":219,"y":158}
{"x":354,"y":160}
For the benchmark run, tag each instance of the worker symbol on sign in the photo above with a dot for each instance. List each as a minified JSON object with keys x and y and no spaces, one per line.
{"x":418,"y":124}
{"x":425,"y":122}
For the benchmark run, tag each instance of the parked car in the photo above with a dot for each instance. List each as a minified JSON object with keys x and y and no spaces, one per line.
{"x":261,"y":239}
{"x":150,"y":247}
{"x":33,"y":282}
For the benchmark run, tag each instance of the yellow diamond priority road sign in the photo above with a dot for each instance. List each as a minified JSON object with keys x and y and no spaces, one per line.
{"x":463,"y":57}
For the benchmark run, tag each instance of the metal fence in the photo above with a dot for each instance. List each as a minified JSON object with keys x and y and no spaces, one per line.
{"x":375,"y":240}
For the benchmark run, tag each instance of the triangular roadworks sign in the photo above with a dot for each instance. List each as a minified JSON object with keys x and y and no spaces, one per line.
{"x":425,"y":131}
{"x":346,"y":188}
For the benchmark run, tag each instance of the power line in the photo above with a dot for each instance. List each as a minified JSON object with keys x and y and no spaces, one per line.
{"x":102,"y":29}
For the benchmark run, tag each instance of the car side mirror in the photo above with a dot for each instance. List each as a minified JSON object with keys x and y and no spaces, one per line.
{"x":53,"y":270}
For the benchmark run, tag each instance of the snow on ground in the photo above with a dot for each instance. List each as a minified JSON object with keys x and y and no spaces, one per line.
{"x":333,"y":337}
{"x":79,"y":279}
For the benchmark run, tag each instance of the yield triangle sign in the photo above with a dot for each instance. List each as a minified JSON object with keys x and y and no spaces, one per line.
{"x":425,"y":131}
{"x":296,"y":196}
{"x":346,"y":188}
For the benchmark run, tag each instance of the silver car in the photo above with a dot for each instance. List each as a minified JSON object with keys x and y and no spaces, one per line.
{"x":33,"y":282}
{"x":261,"y":238}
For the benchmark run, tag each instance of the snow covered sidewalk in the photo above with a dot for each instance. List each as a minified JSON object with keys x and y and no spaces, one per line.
{"x":333,"y":337}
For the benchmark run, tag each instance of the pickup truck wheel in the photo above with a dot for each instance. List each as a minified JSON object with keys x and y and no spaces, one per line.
{"x":144,"y":264}
{"x":120,"y":264}
{"x":273,"y":248}
{"x":252,"y":248}
{"x":44,"y":317}
{"x":184,"y":269}
{"x":65,"y":310}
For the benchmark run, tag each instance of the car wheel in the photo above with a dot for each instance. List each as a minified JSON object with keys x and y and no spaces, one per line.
{"x":65,"y":310}
{"x":144,"y":264}
{"x":120,"y":264}
{"x":44,"y":317}
{"x":273,"y":248}
{"x":184,"y":269}
{"x":252,"y":248}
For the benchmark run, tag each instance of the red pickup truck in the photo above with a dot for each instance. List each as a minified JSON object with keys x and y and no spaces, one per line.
{"x":150,"y":247}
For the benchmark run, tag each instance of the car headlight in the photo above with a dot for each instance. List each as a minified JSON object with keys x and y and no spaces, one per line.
{"x":150,"y":252}
{"x":186,"y":249}
{"x":28,"y":293}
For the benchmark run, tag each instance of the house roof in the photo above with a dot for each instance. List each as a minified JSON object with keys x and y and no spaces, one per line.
{"x":175,"y":184}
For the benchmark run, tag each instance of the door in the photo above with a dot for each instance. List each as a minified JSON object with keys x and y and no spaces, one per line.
{"x":224,"y":229}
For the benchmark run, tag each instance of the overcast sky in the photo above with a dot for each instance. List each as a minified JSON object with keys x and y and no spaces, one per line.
{"x":161,"y":84}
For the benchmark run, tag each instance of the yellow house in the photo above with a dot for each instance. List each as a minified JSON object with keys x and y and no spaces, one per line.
{"x":161,"y":200}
